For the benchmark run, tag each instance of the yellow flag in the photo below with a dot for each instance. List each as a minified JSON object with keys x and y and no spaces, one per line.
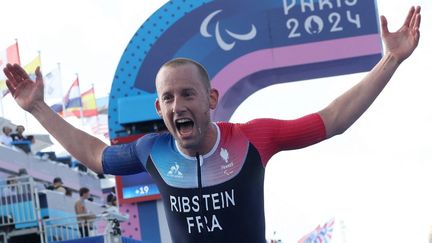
{"x":30,"y":68}
{"x":3,"y":88}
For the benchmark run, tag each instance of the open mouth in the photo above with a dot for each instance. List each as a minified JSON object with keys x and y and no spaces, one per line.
{"x":184,"y":126}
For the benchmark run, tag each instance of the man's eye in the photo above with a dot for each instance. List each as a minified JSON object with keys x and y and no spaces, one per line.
{"x":188,"y":94}
{"x":166,"y":98}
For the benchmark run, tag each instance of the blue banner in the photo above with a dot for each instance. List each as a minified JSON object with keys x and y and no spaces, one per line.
{"x":247,"y":45}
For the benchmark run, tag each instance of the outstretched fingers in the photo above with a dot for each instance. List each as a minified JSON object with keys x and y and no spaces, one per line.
{"x":11,"y":87}
{"x":417,"y":28}
{"x":409,"y":17}
{"x":21,"y":72}
{"x":416,"y":13}
{"x":417,"y":20}
{"x":39,"y":78}
{"x":8,"y":71}
{"x":384,"y":25}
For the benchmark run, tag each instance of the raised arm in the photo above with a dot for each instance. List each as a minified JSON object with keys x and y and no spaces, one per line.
{"x":399,"y":45}
{"x":29,"y":95}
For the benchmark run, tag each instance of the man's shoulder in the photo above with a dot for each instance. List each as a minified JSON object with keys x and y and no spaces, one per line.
{"x":151,"y":138}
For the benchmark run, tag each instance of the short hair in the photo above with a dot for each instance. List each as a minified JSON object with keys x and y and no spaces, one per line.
{"x":22,"y":171}
{"x":111,"y":198}
{"x":6,"y":127}
{"x":83,"y":190}
{"x":184,"y":61}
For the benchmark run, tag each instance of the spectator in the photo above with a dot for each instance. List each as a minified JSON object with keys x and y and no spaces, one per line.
{"x":5,"y":137}
{"x":83,"y":215}
{"x":111,"y":200}
{"x":18,"y":135}
{"x":23,"y":175}
{"x":11,"y":188}
{"x":21,"y":141}
{"x":58,"y":185}
{"x":22,"y":172}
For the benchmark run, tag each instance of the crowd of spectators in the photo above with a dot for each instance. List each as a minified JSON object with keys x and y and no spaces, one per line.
{"x":17,"y":139}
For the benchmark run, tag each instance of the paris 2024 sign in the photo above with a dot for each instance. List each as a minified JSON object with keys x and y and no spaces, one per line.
{"x":247,"y":45}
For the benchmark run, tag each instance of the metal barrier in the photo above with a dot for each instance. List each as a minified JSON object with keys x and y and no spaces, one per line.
{"x":20,"y":214}
{"x":81,"y":226}
{"x":19,"y":206}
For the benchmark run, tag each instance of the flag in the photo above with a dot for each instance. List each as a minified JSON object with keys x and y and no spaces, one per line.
{"x":321,"y":234}
{"x":3,"y":88}
{"x":9,"y":55}
{"x":72,"y":100}
{"x":30,"y":68}
{"x":89,"y":103}
{"x":58,"y":108}
{"x":52,"y":84}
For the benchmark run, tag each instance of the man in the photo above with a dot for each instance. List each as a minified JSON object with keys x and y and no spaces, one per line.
{"x":58,"y":185}
{"x":211,"y":174}
{"x":81,"y":211}
{"x":111,"y":204}
{"x":5,"y":138}
{"x":21,"y":141}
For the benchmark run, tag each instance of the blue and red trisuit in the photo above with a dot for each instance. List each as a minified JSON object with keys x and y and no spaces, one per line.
{"x":218,"y":196}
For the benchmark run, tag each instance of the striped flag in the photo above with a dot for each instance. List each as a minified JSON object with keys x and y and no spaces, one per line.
{"x":89,"y":103}
{"x":321,"y":234}
{"x":58,"y":108}
{"x":72,"y":100}
{"x":9,"y":55}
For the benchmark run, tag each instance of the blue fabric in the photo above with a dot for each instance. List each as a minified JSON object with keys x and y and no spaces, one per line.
{"x":99,"y":239}
{"x":148,"y":219}
{"x":128,"y":156}
{"x":94,"y":239}
{"x":129,"y":240}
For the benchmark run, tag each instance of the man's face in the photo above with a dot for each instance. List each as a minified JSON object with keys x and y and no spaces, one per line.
{"x":7,"y":130}
{"x":86,"y":195}
{"x":184,"y":104}
{"x":20,"y":129}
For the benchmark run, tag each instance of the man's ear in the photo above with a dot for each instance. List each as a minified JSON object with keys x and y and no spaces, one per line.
{"x":214,"y":97}
{"x":158,"y":109}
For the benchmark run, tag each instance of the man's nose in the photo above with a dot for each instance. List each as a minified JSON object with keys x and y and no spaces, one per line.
{"x":178,"y":106}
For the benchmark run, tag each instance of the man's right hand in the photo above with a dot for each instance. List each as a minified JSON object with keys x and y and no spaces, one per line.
{"x":29,"y":95}
{"x":25,"y":91}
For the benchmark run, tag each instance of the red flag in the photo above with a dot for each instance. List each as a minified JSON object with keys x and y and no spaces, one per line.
{"x":9,"y":55}
{"x":89,"y":103}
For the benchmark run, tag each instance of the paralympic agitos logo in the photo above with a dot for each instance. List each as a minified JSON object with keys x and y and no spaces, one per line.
{"x":226,"y":46}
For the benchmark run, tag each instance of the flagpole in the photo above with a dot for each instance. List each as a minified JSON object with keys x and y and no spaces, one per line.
{"x":19,"y":58}
{"x":81,"y":104}
{"x":61,"y":90}
{"x":97,"y":113}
